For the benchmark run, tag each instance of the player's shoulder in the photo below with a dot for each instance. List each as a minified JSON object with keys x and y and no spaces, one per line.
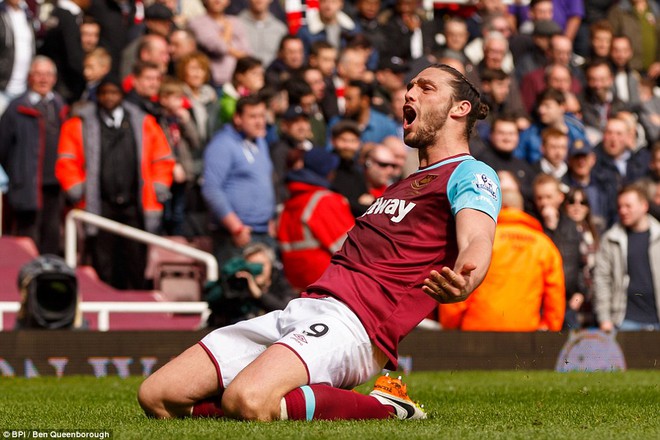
{"x":472,"y":169}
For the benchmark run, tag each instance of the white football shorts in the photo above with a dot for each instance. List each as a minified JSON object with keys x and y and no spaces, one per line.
{"x":325,"y":334}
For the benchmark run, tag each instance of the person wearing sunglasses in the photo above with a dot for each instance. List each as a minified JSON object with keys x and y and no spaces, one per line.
{"x":577,"y":207}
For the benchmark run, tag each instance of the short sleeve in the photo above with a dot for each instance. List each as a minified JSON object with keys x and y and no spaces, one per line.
{"x":474,"y":185}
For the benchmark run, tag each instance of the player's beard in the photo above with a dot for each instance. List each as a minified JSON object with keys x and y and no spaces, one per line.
{"x":428,"y":127}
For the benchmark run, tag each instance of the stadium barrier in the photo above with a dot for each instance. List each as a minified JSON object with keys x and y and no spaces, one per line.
{"x":32,"y":353}
{"x":78,"y":215}
{"x":104,"y":308}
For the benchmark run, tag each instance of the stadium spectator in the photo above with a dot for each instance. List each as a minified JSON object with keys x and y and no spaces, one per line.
{"x":324,"y":58}
{"x":595,"y":17}
{"x":380,"y":171}
{"x":90,"y":34}
{"x":374,"y":125}
{"x":247,"y":79}
{"x":524,"y":287}
{"x":62,"y":44}
{"x":536,"y":11}
{"x":617,"y":163}
{"x":224,"y":50}
{"x":535,"y":82}
{"x":195,"y":71}
{"x":600,"y":42}
{"x":456,"y":37}
{"x":475,"y":48}
{"x":16,"y":51}
{"x":577,"y":208}
{"x":389,"y":78}
{"x":401,"y":153}
{"x":181,"y":43}
{"x":599,"y":103}
{"x":264,"y":31}
{"x":114,"y":160}
{"x":503,"y":99}
{"x":151,"y":49}
{"x":601,"y":194}
{"x":96,"y":65}
{"x":366,"y":17}
{"x":290,"y":59}
{"x":301,"y":93}
{"x":626,"y":80}
{"x":147,"y":78}
{"x":183,"y":138}
{"x":314,"y":221}
{"x":495,"y":48}
{"x":551,"y":113}
{"x":238,"y":185}
{"x":484,"y":10}
{"x":638,"y":20}
{"x":349,"y":179}
{"x":295,"y":134}
{"x":626,"y":288}
{"x":408,"y":34}
{"x":246,"y":294}
{"x":328,"y":23}
{"x":158,"y":26}
{"x":563,"y":231}
{"x":29,"y":130}
{"x":275,"y":8}
{"x":115,"y":20}
{"x":536,"y":56}
{"x":351,"y":66}
{"x":558,"y":76}
{"x":554,"y":152}
{"x":498,"y":153}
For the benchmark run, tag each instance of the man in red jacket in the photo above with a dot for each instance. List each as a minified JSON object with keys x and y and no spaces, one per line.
{"x":314,"y":221}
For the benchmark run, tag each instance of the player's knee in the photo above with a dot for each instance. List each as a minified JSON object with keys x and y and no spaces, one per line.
{"x":248,"y":405}
{"x":151,"y":402}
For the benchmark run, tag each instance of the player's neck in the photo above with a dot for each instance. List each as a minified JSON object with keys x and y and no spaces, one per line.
{"x":442,"y":148}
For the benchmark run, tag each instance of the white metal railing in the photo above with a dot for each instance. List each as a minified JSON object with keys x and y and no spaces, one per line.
{"x":71,"y":239}
{"x":103,"y":309}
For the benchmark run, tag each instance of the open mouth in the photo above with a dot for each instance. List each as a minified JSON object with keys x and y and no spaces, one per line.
{"x":409,"y":116}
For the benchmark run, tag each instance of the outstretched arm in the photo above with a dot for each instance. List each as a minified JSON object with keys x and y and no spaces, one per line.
{"x":475,"y":232}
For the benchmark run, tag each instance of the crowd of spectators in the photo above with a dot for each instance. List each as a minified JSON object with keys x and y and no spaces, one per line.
{"x":237,"y":120}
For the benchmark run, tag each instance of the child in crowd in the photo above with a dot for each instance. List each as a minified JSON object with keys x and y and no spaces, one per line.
{"x":183,"y":138}
{"x":96,"y":65}
{"x":554,"y":151}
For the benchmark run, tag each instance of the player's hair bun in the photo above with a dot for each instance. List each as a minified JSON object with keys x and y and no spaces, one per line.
{"x":482,"y":111}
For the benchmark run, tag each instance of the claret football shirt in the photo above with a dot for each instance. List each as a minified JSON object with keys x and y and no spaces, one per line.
{"x":411,"y":229}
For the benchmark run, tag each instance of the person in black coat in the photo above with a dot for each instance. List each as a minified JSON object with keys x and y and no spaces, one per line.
{"x":62,"y":44}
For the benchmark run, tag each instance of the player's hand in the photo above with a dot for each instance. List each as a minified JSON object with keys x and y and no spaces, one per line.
{"x":448,"y":286}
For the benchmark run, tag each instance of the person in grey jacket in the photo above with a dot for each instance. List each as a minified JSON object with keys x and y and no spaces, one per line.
{"x":627,"y":273}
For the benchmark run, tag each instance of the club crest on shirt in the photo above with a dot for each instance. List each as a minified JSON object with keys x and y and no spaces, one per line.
{"x":484,"y":183}
{"x":418,"y":184}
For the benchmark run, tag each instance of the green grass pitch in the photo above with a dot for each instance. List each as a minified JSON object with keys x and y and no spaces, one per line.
{"x":461,"y":405}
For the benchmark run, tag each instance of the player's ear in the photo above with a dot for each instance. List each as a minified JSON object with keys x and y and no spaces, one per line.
{"x":460,"y":109}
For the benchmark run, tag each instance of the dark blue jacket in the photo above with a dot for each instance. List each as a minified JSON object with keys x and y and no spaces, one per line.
{"x":22,"y":150}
